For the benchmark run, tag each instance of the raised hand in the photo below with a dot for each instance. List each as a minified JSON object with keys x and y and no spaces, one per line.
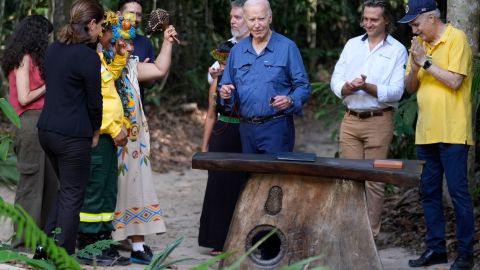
{"x":170,"y":34}
{"x":120,"y":47}
{"x":226,"y":91}
{"x":215,"y":72}
{"x":418,"y":52}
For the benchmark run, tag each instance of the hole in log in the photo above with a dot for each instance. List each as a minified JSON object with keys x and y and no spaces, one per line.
{"x":270,"y":252}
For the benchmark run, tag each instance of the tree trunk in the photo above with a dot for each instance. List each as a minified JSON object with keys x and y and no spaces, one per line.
{"x":464,"y":14}
{"x":60,"y":12}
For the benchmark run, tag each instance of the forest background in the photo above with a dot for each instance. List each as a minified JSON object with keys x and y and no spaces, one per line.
{"x":320,"y":28}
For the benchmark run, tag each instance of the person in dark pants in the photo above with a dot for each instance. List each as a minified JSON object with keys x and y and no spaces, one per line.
{"x":221,"y":134}
{"x":265,"y":75}
{"x":439,"y":71}
{"x":23,"y":62}
{"x":69,"y":125}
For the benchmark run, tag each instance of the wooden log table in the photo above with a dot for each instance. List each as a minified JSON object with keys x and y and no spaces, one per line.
{"x":318,"y":208}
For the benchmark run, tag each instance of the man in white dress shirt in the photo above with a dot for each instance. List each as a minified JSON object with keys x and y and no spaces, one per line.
{"x":369,"y":78}
{"x":239,"y":31}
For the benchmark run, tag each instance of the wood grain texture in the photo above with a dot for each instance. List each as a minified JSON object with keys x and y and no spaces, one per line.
{"x":358,"y":170}
{"x":319,"y":216}
{"x":315,"y":206}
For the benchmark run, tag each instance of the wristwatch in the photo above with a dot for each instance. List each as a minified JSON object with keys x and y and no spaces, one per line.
{"x":427,"y":64}
{"x":290,"y":101}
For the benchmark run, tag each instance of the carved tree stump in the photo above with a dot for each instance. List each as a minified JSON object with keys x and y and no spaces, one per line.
{"x":313,"y":206}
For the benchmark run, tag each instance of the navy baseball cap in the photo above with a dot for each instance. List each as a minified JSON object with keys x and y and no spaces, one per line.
{"x":417,"y":7}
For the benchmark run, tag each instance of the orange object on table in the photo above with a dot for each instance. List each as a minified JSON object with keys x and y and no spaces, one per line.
{"x":388,"y":164}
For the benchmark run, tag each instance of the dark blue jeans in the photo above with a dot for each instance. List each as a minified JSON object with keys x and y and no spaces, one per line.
{"x":450,"y":159}
{"x":275,"y":136}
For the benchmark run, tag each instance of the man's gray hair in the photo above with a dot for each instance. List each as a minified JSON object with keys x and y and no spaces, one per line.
{"x":256,"y":2}
{"x":435,"y":13}
{"x":238,"y":3}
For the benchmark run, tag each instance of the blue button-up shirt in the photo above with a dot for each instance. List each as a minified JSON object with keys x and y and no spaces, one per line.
{"x":277,"y":70}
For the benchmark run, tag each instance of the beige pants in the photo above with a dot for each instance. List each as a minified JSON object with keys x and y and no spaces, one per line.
{"x":368,"y":138}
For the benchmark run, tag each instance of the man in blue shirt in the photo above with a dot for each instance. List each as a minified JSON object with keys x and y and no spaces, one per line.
{"x":142,"y":46}
{"x":264,"y":79}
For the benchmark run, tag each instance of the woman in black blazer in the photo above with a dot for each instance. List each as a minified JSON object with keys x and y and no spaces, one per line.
{"x":70,"y":121}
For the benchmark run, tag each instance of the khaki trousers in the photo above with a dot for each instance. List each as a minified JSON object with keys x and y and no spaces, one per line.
{"x":368,"y":138}
{"x":38,"y":182}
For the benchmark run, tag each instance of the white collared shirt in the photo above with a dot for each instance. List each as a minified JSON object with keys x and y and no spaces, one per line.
{"x":384,"y":67}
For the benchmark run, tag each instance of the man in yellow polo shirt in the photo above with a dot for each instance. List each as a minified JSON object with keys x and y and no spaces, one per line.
{"x":440,"y":72}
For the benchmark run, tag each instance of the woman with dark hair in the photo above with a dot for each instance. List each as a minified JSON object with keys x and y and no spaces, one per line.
{"x":23,"y":63}
{"x":70,"y":122}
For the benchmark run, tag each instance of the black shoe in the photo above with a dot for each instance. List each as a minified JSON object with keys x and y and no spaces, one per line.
{"x":148,"y":250}
{"x":463,"y":262}
{"x":429,"y":257}
{"x":109,"y":257}
{"x":40,"y":253}
{"x":99,"y":260}
{"x":141,"y":257}
{"x":119,"y":259}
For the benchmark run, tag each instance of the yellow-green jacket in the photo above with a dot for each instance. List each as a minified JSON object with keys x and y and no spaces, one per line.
{"x":112,"y":116}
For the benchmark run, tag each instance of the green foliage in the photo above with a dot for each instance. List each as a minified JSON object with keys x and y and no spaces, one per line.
{"x":330,"y":107}
{"x":96,"y":248}
{"x":159,"y":261}
{"x":33,"y":236}
{"x":206,"y":265}
{"x":403,"y":142}
{"x":476,"y":124}
{"x":238,"y":262}
{"x":8,"y":171}
{"x":9,"y":256}
{"x":476,"y":85}
{"x":4,"y":147}
{"x":9,"y":112}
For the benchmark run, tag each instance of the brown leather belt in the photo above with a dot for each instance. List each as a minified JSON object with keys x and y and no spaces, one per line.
{"x":368,"y":114}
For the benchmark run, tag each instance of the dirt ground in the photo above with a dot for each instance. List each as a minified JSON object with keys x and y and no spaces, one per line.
{"x":181,"y":189}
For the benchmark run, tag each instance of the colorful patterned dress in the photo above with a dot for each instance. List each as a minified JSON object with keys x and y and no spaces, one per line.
{"x":138,"y":210}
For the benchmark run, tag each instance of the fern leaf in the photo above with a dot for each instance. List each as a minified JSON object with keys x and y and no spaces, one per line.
{"x":33,"y":236}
